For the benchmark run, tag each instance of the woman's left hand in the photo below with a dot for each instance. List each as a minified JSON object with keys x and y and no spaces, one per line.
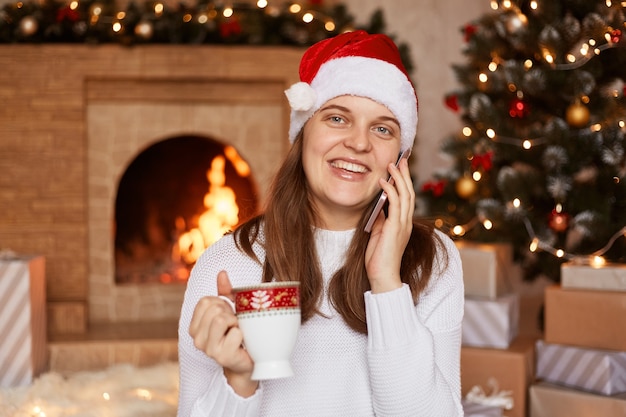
{"x":390,"y":235}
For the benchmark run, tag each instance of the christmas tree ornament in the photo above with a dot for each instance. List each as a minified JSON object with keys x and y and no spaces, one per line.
{"x":144,"y":30}
{"x":452,"y":102}
{"x":518,"y":108}
{"x":465,"y":187}
{"x":558,"y":221}
{"x":28,"y":26}
{"x":577,"y":115}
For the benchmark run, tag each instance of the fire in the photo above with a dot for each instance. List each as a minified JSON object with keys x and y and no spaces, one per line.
{"x":221,"y":213}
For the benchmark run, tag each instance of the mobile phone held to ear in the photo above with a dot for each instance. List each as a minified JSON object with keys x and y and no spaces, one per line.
{"x":382,"y":199}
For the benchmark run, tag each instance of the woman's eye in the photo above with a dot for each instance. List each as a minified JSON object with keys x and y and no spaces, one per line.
{"x":336,"y":119}
{"x":383,"y":130}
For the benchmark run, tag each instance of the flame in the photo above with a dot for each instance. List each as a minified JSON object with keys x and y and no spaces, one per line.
{"x":221,"y":213}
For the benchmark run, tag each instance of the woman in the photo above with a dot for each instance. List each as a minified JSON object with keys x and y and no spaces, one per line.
{"x":381,"y":311}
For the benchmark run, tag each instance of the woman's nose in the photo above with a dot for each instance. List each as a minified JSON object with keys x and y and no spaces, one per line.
{"x":358,"y":139}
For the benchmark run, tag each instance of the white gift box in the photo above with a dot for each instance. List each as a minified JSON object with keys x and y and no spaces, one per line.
{"x":486,"y":267}
{"x":23,"y":349}
{"x":591,"y":370}
{"x":491,"y":323}
{"x":471,"y":409}
{"x":609,"y":277}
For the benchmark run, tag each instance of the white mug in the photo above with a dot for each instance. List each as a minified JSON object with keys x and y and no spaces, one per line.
{"x":269,"y":318}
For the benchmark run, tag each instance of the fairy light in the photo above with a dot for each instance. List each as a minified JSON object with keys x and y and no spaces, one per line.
{"x":597,"y":261}
{"x":528,"y":64}
{"x":261,"y":4}
{"x":490,"y":133}
{"x":526,"y":144}
{"x":330,"y":26}
{"x":458,"y":230}
{"x":73,"y":5}
{"x":476,"y":175}
{"x":534,"y":245}
{"x":307,"y":17}
{"x":158,"y":9}
{"x":487,"y":224}
{"x":227,"y":12}
{"x":467,"y":131}
{"x":534,"y":5}
{"x":295,"y":8}
{"x":492,"y":66}
{"x":494,"y":5}
{"x":482,"y":77}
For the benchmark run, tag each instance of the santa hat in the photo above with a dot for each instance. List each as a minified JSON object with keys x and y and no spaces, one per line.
{"x":359,"y":64}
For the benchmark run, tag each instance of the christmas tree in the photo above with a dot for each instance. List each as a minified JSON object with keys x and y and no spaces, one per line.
{"x":540,"y":161}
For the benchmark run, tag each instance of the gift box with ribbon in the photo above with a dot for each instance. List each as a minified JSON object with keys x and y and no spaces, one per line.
{"x":593,"y":370}
{"x":491,"y":323}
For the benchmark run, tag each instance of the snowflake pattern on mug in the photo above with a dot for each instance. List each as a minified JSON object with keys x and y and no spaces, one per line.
{"x":276,"y":298}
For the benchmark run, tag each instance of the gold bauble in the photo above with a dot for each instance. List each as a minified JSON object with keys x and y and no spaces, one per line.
{"x":577,"y":115}
{"x":465,"y":187}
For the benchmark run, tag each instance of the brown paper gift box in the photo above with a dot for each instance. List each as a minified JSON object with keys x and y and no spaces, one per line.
{"x":547,"y":400}
{"x":585,"y":318}
{"x":512,"y":368}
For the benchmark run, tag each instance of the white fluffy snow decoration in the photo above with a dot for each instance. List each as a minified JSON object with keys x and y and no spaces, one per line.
{"x":119,"y":391}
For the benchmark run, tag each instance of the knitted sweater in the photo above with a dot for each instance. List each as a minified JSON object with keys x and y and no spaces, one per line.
{"x":407,"y":365}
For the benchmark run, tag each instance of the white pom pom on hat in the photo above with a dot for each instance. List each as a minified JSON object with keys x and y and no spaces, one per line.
{"x":359,"y":64}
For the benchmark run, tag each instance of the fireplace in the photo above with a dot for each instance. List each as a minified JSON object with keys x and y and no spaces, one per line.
{"x":81,"y":115}
{"x":176,"y":198}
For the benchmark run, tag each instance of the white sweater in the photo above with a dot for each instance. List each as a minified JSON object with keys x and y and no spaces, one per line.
{"x":408,"y":364}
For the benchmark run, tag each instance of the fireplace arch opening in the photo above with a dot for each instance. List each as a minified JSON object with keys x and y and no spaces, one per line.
{"x":176,"y":198}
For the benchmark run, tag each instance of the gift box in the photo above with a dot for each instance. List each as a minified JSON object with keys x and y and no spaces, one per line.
{"x":609,"y":277}
{"x":471,"y":409}
{"x":511,"y":368}
{"x":23,"y":349}
{"x":491,"y":323}
{"x":548,"y":400}
{"x":585,"y":318}
{"x":485,"y":268}
{"x":592,"y":370}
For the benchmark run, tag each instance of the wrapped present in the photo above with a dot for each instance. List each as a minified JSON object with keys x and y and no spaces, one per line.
{"x":548,"y":400}
{"x":485,"y":268}
{"x":609,"y":277}
{"x":593,"y":370}
{"x":491,"y":323}
{"x":585,"y":318}
{"x":511,"y":370}
{"x":471,"y":409}
{"x":23,"y":349}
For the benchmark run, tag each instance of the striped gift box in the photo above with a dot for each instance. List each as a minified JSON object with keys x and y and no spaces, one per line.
{"x":591,"y":370}
{"x":491,"y":323}
{"x":22,"y":320}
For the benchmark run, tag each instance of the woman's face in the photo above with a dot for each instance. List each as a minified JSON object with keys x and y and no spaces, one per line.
{"x":347,"y":147}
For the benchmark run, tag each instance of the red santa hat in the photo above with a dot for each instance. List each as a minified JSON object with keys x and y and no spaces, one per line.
{"x":359,"y":64}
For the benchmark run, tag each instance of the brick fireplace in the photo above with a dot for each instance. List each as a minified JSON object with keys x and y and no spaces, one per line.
{"x":73,"y":117}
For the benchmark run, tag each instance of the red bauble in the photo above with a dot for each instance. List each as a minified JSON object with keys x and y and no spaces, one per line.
{"x":468,"y":31}
{"x":558,"y":221}
{"x":518,"y":108}
{"x":452,"y":102}
{"x":616,"y":35}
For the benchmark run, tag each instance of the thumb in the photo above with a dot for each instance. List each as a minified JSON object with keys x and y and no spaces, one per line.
{"x":224,"y":287}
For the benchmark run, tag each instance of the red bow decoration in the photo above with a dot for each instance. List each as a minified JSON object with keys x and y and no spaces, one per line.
{"x":483,"y":161}
{"x":436,"y":187}
{"x":67,"y":13}
{"x":469,"y":31}
{"x":452,"y":102}
{"x":232,"y":27}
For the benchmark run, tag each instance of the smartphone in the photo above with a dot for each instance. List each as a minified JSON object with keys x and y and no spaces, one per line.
{"x":382,"y":199}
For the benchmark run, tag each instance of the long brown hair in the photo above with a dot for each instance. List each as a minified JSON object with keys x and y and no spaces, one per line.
{"x":290,"y":248}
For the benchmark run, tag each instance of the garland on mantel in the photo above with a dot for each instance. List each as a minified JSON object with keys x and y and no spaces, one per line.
{"x":207,"y":22}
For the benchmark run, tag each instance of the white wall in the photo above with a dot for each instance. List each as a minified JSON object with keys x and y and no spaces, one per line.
{"x":431,"y":28}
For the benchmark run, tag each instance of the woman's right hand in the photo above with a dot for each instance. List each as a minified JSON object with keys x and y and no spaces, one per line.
{"x":215,"y":331}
